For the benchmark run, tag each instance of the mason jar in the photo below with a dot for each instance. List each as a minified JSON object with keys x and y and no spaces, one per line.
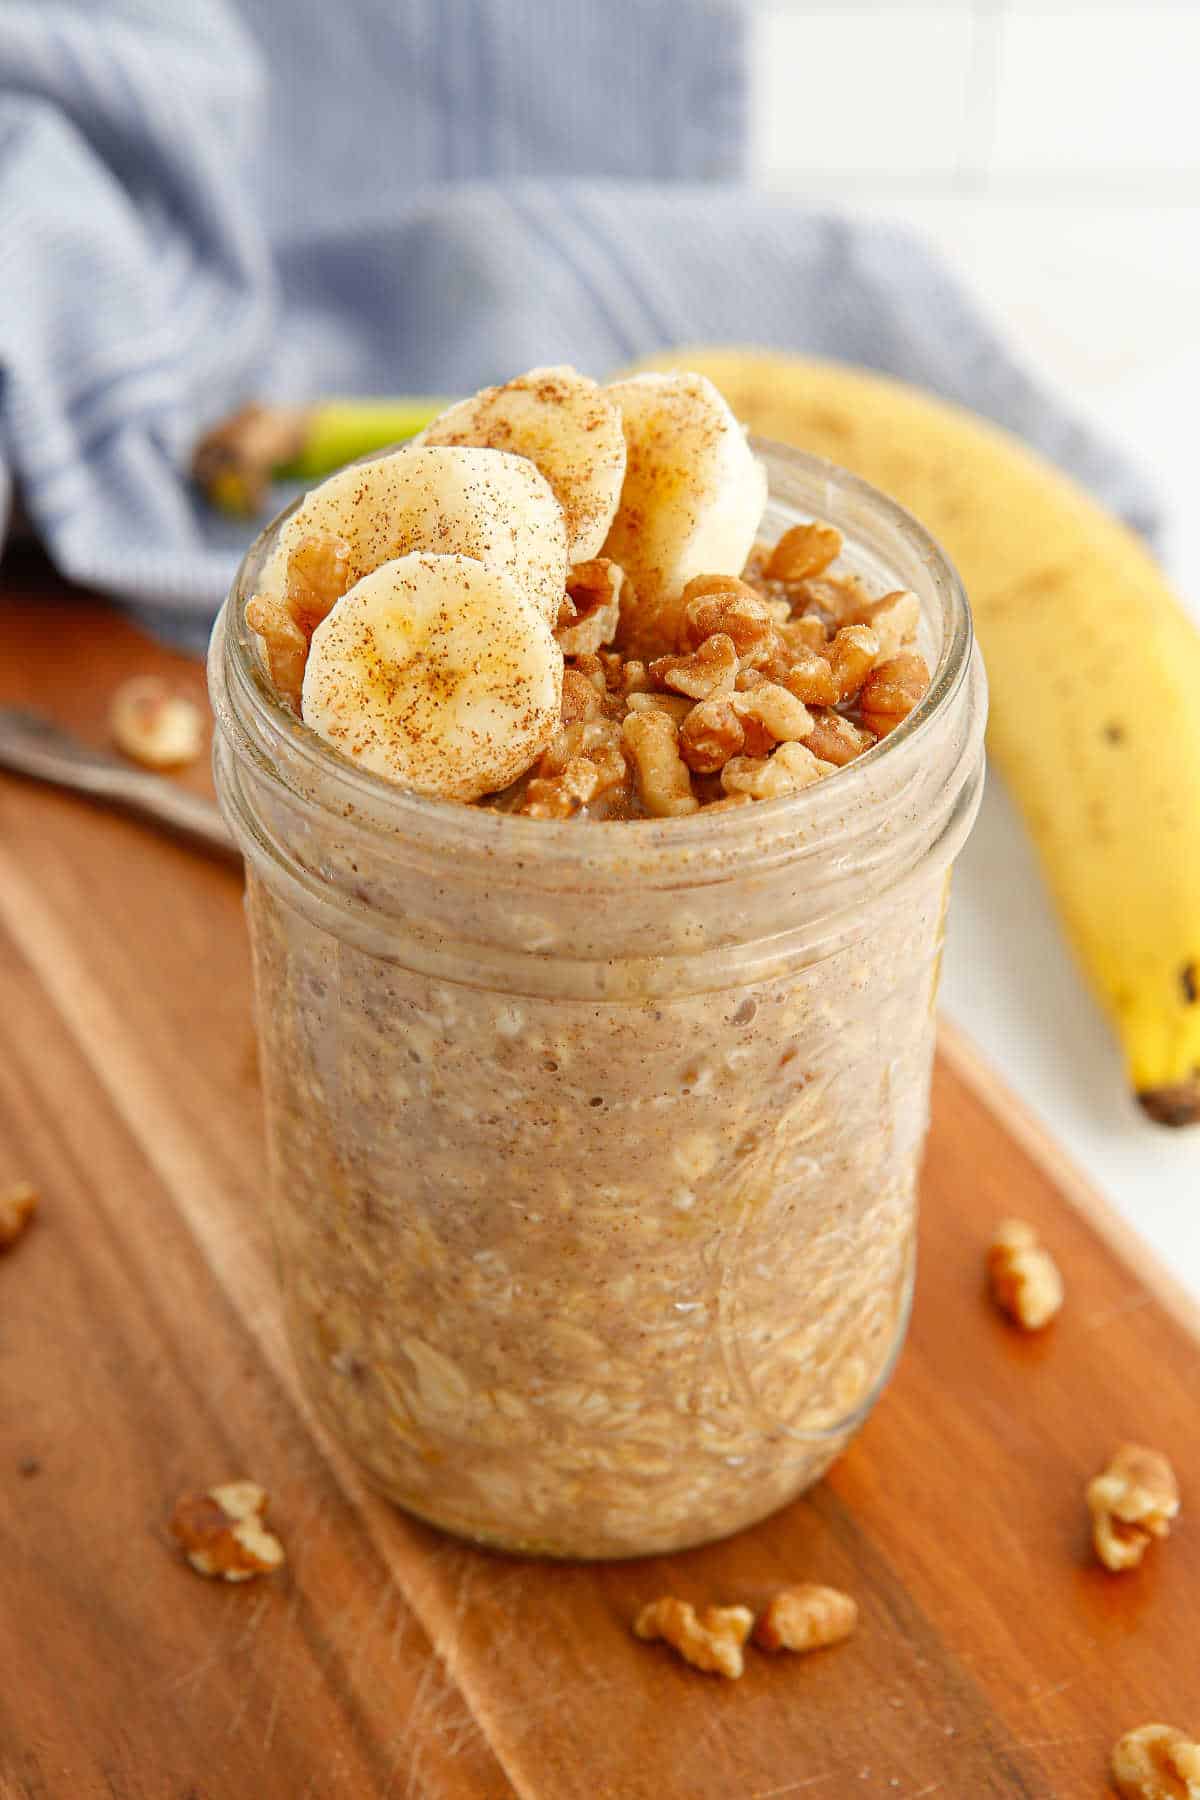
{"x":594,"y":1145}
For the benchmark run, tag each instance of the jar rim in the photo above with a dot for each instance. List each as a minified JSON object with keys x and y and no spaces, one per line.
{"x":239,"y":682}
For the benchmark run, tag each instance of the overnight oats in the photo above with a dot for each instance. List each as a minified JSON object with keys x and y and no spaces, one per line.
{"x":599,"y":775}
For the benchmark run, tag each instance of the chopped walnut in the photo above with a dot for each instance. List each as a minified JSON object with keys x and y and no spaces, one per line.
{"x":790,"y":768}
{"x":776,"y":709}
{"x":583,"y":765}
{"x":222,"y":1532}
{"x":712,"y":1641}
{"x":709,"y":669}
{"x":561,"y":796}
{"x":1024,"y":1277}
{"x":842,"y":599}
{"x":628,"y":677}
{"x":663,"y":783}
{"x":18,"y":1203}
{"x":1156,"y":1762}
{"x":155,"y":727}
{"x":852,"y":655}
{"x":807,"y":633}
{"x":711,"y":734}
{"x":318,"y":574}
{"x":724,"y":604}
{"x":580,"y":700}
{"x":803,"y":551}
{"x":806,"y":1617}
{"x":894,"y":620}
{"x":596,"y":590}
{"x":285,"y":646}
{"x":891,"y":691}
{"x":835,"y":739}
{"x":811,"y":679}
{"x":676,"y":706}
{"x":1134,"y":1500}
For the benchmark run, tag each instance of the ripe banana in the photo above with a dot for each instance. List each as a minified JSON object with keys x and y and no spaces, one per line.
{"x":692,"y":501}
{"x":1093,"y":671}
{"x":565,"y":424}
{"x":435,"y":672}
{"x":482,"y":503}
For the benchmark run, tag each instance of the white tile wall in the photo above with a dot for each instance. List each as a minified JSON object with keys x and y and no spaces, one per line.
{"x":1003,"y":94}
{"x":1110,"y":90}
{"x":824,"y":104}
{"x":1050,"y":150}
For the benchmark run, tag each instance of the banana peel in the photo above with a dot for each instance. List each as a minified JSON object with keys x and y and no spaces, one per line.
{"x":1093,"y":675}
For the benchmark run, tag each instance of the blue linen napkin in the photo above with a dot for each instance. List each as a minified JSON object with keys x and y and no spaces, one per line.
{"x":201,"y":201}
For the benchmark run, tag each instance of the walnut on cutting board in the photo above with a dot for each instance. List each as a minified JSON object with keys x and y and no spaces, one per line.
{"x":223,"y":1534}
{"x":155,"y":727}
{"x":805,"y":1617}
{"x":1156,"y":1762}
{"x":1023,"y":1276}
{"x":711,"y":1640}
{"x":1133,"y":1500}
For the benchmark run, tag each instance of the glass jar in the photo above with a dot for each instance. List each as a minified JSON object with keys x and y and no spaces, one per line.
{"x":594,"y":1146}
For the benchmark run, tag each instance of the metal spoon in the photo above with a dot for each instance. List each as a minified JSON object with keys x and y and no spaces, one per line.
{"x":35,"y":746}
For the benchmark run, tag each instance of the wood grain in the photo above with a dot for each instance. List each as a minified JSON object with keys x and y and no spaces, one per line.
{"x":141,"y":1353}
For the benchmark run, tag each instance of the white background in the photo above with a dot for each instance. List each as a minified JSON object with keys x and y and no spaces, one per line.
{"x":1052,"y":155}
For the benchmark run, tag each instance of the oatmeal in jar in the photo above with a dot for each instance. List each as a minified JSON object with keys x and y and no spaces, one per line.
{"x":599,"y":776}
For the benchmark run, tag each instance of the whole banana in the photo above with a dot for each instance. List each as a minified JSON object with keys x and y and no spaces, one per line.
{"x":1093,"y":671}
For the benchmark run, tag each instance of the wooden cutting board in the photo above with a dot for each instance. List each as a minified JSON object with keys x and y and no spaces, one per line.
{"x":141,"y":1354}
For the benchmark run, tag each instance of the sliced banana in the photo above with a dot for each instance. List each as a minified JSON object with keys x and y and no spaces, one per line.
{"x":495,"y":507}
{"x":438,"y":673}
{"x":565,"y":423}
{"x":692,"y":501}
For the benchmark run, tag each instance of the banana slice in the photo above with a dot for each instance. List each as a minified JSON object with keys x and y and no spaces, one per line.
{"x":495,"y":507}
{"x":566,"y":424}
{"x":438,"y":673}
{"x":692,"y":501}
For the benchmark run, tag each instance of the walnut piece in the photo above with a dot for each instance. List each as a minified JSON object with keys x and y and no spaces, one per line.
{"x":319,"y":571}
{"x":1132,"y":1501}
{"x":153,"y":726}
{"x":807,"y":633}
{"x":712,"y":1641}
{"x":711,"y":734}
{"x":806,"y":1617}
{"x":1156,"y":1762}
{"x":663,"y":782}
{"x":709,"y":669}
{"x":894,"y":619}
{"x":285,"y":646}
{"x":790,"y":768}
{"x":835,"y":739}
{"x":18,"y":1203}
{"x":722,"y":603}
{"x":580,"y":699}
{"x":776,"y":709}
{"x":676,"y":706}
{"x":803,"y":551}
{"x":852,"y":656}
{"x":891,"y":690}
{"x":595,"y":590}
{"x":222,"y":1532}
{"x":811,"y":678}
{"x":1023,"y":1276}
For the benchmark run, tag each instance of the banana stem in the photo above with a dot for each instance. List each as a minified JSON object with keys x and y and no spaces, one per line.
{"x":235,"y":462}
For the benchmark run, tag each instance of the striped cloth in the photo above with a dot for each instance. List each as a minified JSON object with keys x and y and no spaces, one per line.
{"x":200,"y":201}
